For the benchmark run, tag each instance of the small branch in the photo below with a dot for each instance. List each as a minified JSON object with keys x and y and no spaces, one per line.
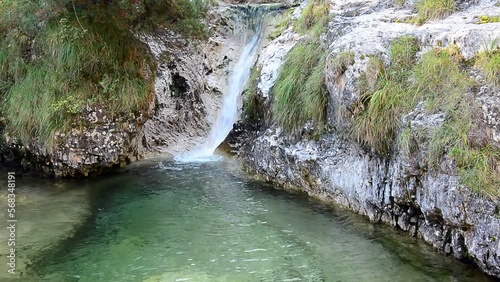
{"x":76,"y":15}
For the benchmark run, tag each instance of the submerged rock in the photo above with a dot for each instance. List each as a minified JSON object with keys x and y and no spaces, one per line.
{"x":46,"y":214}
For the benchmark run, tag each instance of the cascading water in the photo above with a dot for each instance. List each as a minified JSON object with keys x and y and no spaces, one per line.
{"x":228,"y":114}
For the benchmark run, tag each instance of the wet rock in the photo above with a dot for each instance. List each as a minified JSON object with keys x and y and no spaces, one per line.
{"x":188,"y":83}
{"x":400,"y":190}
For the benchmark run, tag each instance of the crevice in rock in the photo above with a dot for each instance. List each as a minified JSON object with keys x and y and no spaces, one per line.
{"x":178,"y":86}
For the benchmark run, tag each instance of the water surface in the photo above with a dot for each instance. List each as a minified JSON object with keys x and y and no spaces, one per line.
{"x":164,"y":221}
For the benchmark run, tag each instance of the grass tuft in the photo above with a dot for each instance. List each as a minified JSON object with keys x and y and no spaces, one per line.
{"x":403,"y":53}
{"x":378,"y":124}
{"x":489,"y":62}
{"x":434,"y":9}
{"x":314,"y":19}
{"x":46,"y":82}
{"x":407,"y":141}
{"x":453,"y":133}
{"x":385,"y":96}
{"x":477,"y":169}
{"x":439,"y":80}
{"x":342,"y":61}
{"x":299,"y":94}
{"x":444,"y":86}
{"x":56,"y":57}
{"x":282,"y":26}
{"x":369,"y":79}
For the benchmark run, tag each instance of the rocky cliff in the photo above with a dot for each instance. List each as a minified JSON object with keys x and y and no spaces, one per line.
{"x":397,"y":183}
{"x":189,"y":77}
{"x":400,"y":187}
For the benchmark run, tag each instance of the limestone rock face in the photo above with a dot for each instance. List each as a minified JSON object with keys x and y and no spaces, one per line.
{"x":432,"y":206}
{"x":189,"y":80}
{"x":286,"y":2}
{"x":103,"y":145}
{"x":98,"y":144}
{"x":178,"y":109}
{"x":192,"y":79}
{"x":400,"y":190}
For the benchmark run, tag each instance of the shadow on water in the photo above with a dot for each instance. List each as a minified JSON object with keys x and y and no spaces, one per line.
{"x":163,"y":221}
{"x":409,"y":250}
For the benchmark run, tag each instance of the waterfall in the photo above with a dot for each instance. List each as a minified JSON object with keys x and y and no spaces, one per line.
{"x":228,"y":114}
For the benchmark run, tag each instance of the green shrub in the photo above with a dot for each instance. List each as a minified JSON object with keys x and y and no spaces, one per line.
{"x":314,"y":18}
{"x":434,"y":9}
{"x":407,"y":142}
{"x":47,"y":78}
{"x":444,"y":86}
{"x":370,"y":78}
{"x":453,"y":133}
{"x":299,"y":93}
{"x":179,"y":15}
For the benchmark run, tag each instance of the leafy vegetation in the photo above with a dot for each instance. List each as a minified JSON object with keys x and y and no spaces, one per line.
{"x":439,"y":80}
{"x":314,"y":19}
{"x":58,"y":56}
{"x":476,"y":163}
{"x":377,"y":125}
{"x":299,"y":94}
{"x":403,"y":51}
{"x":407,"y":141}
{"x":434,"y":9}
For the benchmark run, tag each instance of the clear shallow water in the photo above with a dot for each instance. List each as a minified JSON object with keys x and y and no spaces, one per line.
{"x":209,"y":222}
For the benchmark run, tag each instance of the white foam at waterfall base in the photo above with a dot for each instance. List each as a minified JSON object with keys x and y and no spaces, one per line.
{"x":228,"y":114}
